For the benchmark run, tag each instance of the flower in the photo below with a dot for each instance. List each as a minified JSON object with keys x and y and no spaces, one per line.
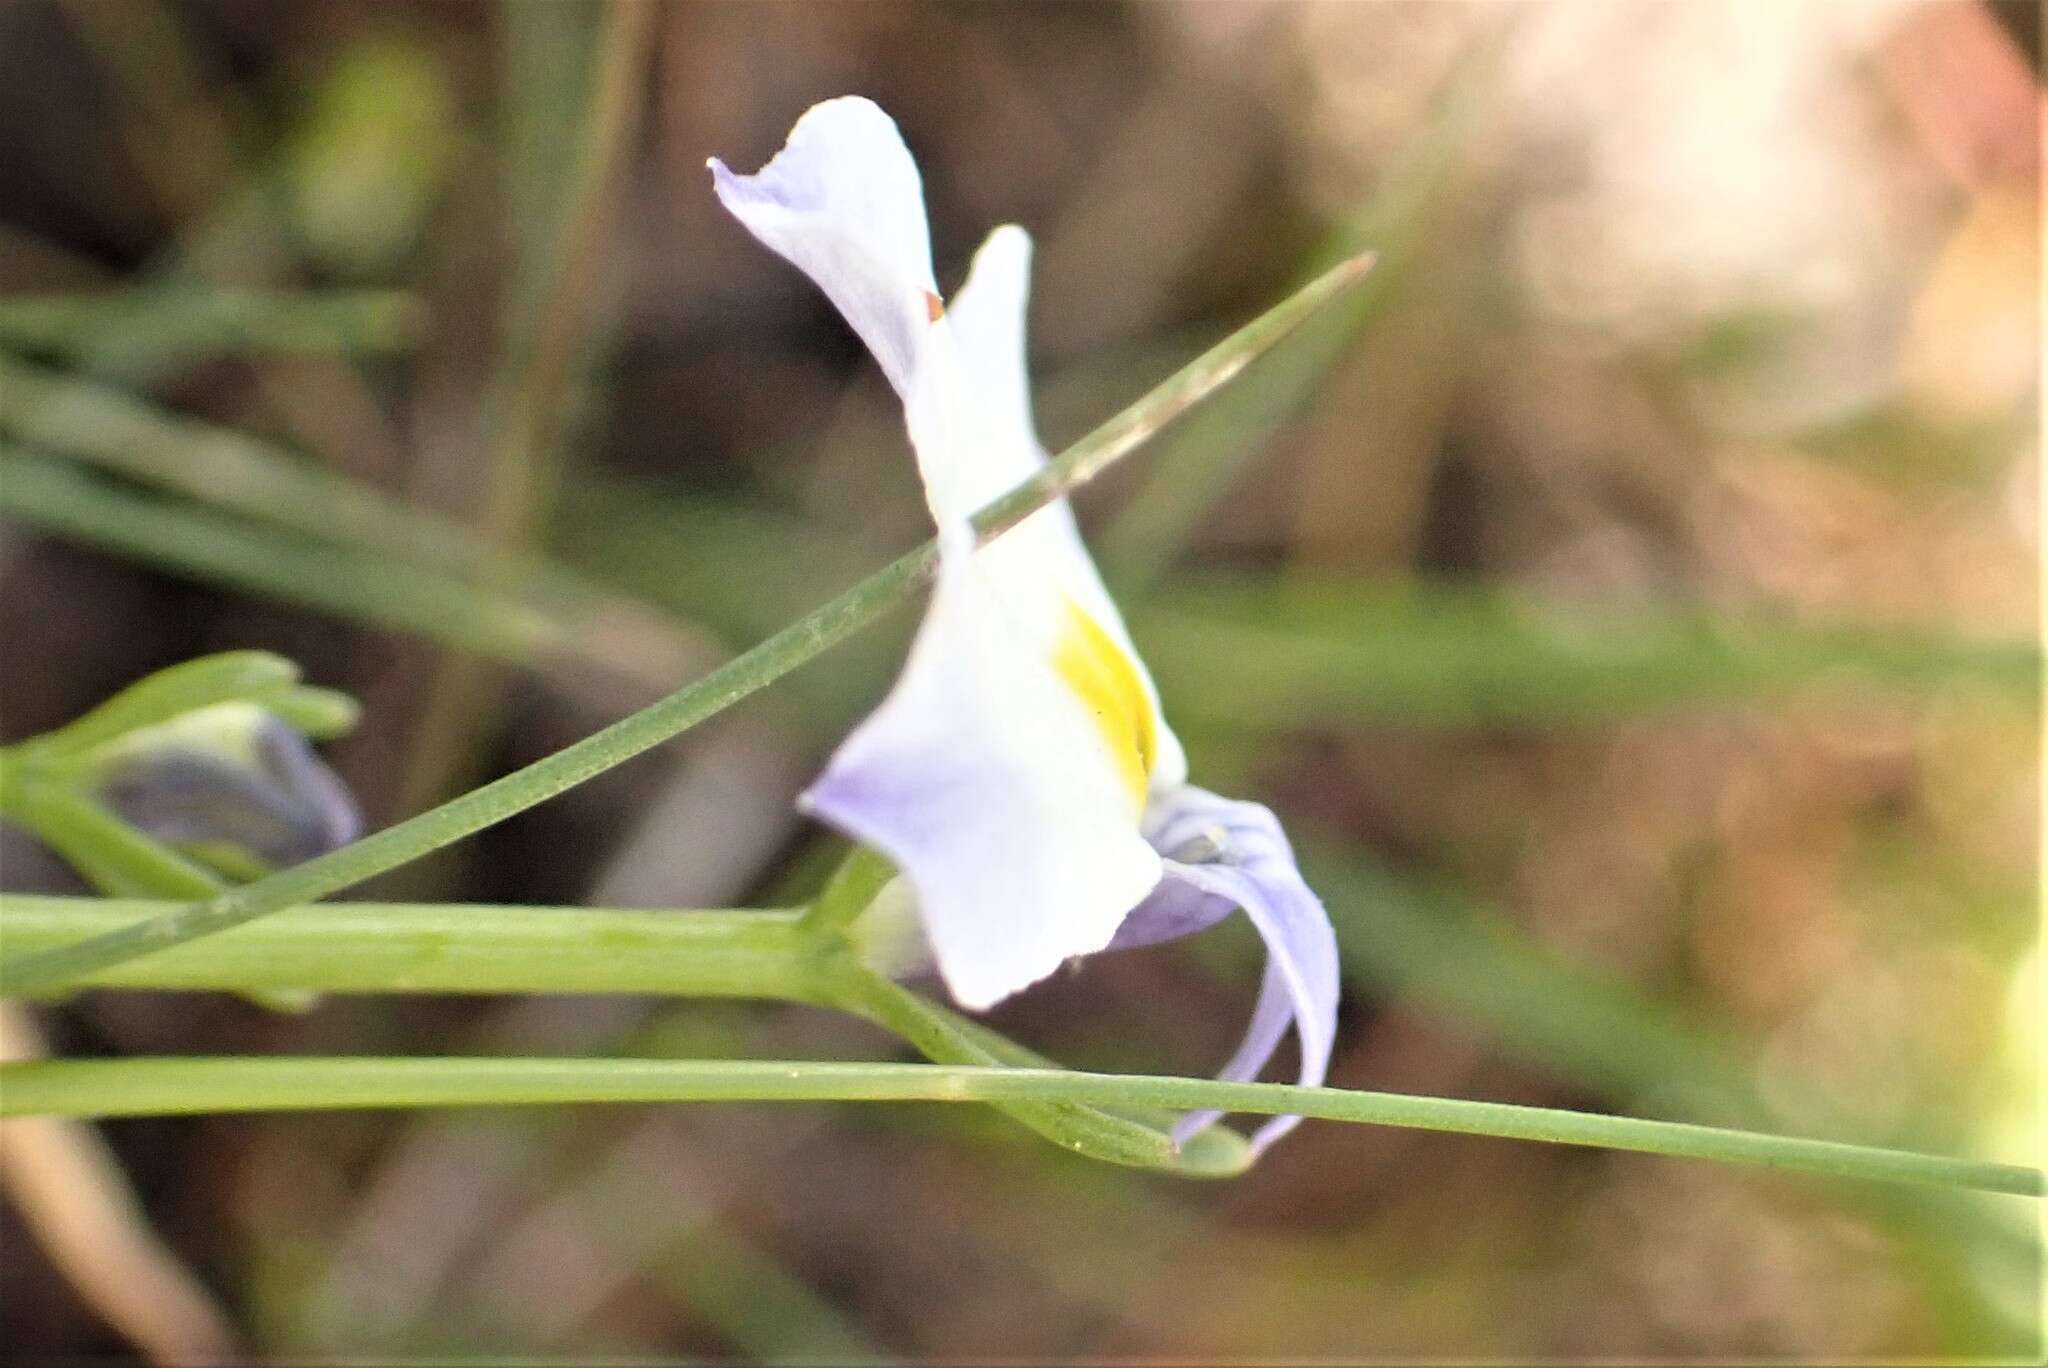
{"x":1020,"y":773}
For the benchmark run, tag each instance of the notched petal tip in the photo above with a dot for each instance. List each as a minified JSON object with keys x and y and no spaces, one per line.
{"x":842,"y":154}
{"x":843,"y":202}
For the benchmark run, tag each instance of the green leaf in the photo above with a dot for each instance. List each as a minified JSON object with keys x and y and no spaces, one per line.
{"x":315,"y":713}
{"x":230,"y":676}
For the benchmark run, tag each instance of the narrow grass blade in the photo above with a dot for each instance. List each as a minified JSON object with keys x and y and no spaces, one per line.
{"x":152,"y":325}
{"x":1462,"y":656}
{"x":104,"y":427}
{"x":199,"y":1086}
{"x":359,"y":585}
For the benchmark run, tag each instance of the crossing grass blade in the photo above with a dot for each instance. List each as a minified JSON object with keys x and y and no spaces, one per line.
{"x":197,"y":1086}
{"x":795,"y":645}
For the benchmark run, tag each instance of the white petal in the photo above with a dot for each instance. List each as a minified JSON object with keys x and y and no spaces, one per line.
{"x":972,"y":426}
{"x":843,"y":202}
{"x":986,"y":320}
{"x":987,"y":783}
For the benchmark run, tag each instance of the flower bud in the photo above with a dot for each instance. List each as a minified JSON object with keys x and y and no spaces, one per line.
{"x":230,"y":786}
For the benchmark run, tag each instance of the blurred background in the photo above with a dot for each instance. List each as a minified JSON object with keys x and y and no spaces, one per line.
{"x":1627,"y":598}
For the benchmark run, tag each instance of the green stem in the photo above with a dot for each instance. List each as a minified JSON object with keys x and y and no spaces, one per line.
{"x":389,"y":947}
{"x":447,"y":948}
{"x":767,"y":662}
{"x":944,"y":1038}
{"x":853,"y":887}
{"x":190,"y":1086}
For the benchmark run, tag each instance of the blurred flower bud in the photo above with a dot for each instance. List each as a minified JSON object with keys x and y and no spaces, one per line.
{"x":229,"y":785}
{"x":370,"y":157}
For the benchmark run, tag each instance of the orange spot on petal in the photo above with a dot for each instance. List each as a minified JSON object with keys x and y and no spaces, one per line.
{"x":934,"y":306}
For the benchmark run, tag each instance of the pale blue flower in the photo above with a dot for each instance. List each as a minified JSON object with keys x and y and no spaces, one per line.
{"x":1020,"y":774}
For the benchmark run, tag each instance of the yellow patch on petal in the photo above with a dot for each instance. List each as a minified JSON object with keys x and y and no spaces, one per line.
{"x":1100,"y":672}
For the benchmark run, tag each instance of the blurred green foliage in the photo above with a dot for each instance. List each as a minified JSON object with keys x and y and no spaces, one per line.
{"x":1639,"y":637}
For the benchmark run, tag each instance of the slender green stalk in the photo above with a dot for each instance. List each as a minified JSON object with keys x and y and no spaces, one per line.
{"x":216,"y":465}
{"x":436,"y":947}
{"x":781,"y":653}
{"x":852,"y":888}
{"x":382,"y":948}
{"x":945,"y":1038}
{"x":192,"y":1086}
{"x":360,"y":584}
{"x":554,"y":621}
{"x":447,"y":948}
